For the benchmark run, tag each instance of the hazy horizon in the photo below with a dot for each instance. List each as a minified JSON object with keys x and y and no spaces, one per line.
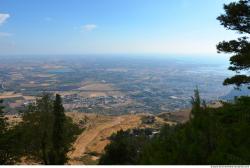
{"x":96,"y":27}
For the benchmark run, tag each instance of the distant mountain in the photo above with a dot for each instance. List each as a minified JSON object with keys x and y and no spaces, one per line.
{"x":243,"y":91}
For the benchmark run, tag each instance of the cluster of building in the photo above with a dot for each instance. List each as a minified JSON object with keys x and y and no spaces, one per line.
{"x":75,"y":101}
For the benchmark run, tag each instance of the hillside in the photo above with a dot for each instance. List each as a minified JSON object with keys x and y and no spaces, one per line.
{"x":90,"y":144}
{"x":98,"y":128}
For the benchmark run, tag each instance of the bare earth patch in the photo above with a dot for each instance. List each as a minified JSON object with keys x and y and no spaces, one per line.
{"x":97,"y":87}
{"x":91,"y":143}
{"x":7,"y":95}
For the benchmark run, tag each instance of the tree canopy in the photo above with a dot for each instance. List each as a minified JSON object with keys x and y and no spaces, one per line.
{"x":237,"y":18}
{"x":44,"y":135}
{"x":212,"y":136}
{"x":50,"y":132}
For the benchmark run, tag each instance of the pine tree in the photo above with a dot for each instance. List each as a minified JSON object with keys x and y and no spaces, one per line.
{"x":3,"y":123}
{"x":196,"y":103}
{"x":3,"y":129}
{"x":47,"y":133}
{"x":9,"y":142}
{"x":237,"y":18}
{"x":37,"y":127}
{"x":58,"y":139}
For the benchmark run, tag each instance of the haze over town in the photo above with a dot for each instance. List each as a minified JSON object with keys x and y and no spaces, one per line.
{"x":128,"y":82}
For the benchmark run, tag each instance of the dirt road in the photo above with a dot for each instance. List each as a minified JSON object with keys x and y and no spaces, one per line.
{"x":91,"y":143}
{"x":88,"y":136}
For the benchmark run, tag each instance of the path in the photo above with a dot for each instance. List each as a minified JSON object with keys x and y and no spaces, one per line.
{"x":88,"y":136}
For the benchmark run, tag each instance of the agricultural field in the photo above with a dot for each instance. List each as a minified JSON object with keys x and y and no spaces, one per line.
{"x":109,"y":85}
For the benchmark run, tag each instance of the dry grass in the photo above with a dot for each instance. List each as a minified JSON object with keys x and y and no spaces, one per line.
{"x":97,"y":87}
{"x":91,"y":142}
{"x":29,"y":97}
{"x":7,"y":95}
{"x":13,"y":119}
{"x":98,"y":129}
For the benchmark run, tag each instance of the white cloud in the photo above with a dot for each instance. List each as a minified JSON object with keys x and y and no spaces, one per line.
{"x":4,"y":34}
{"x":89,"y":27}
{"x":3,"y":17}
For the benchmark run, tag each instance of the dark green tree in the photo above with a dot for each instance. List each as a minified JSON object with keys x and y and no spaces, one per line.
{"x":125,"y":148}
{"x":37,"y":129}
{"x":237,"y":18}
{"x":58,"y":138}
{"x":214,"y":136}
{"x":3,"y":129}
{"x":196,"y":103}
{"x":9,"y":142}
{"x":47,"y":131}
{"x":3,"y":123}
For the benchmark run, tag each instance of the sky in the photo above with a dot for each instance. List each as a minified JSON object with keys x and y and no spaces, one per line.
{"x":111,"y":27}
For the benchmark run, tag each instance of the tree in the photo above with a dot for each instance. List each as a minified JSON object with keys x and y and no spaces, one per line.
{"x":47,"y":131}
{"x":3,"y":129}
{"x":196,"y":102}
{"x":58,"y":138}
{"x":125,"y":147}
{"x":37,"y":126}
{"x":9,"y":142}
{"x":3,"y":123}
{"x":237,"y":18}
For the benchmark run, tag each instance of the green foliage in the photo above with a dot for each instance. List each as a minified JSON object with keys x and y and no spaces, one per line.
{"x":59,"y":145}
{"x":237,"y":17}
{"x":211,"y":137}
{"x":3,"y":123}
{"x":9,"y":146}
{"x":125,"y":148}
{"x":216,"y":136}
{"x":37,"y":126}
{"x":47,"y":133}
{"x":196,"y":103}
{"x":3,"y":129}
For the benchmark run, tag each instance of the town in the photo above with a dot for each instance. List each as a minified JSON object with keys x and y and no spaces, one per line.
{"x":92,"y":86}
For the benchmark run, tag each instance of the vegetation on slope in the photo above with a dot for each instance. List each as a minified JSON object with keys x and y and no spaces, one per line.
{"x":9,"y":151}
{"x":44,"y":135}
{"x":237,"y":18}
{"x":211,"y":136}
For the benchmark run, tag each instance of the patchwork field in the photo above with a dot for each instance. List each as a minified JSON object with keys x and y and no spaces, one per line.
{"x":8,"y":95}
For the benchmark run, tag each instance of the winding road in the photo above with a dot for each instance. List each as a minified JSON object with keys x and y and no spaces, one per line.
{"x":89,"y":135}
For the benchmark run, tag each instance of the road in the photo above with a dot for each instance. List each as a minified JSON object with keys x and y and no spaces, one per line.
{"x":88,"y":136}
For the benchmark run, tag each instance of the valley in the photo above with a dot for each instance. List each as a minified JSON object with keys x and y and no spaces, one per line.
{"x":109,"y":85}
{"x":97,"y":129}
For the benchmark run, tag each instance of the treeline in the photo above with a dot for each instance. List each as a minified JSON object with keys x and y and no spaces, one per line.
{"x":211,"y":137}
{"x":44,"y":135}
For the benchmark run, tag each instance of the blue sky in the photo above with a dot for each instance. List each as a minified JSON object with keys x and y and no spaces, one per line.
{"x":111,"y":26}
